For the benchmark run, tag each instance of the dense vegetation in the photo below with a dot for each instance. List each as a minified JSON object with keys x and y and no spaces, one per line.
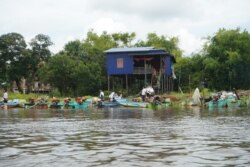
{"x":223,"y":64}
{"x":79,"y":69}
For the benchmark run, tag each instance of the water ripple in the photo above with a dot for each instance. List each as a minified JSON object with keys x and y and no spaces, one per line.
{"x":125,"y":137}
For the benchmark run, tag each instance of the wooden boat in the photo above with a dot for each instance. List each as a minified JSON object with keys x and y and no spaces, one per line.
{"x":134,"y":104}
{"x":228,"y":101}
{"x":10,"y":104}
{"x":75,"y":105}
{"x":40,"y":103}
{"x":56,"y":105}
{"x":217,"y":103}
{"x":40,"y":106}
{"x":107,"y":103}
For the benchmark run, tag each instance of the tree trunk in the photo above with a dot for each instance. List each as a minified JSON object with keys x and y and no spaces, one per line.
{"x":28,"y":87}
{"x":18,"y":84}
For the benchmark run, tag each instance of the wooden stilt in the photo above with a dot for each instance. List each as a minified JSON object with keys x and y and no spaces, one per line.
{"x":108,"y":84}
{"x":145,"y":75}
{"x":127,"y":83}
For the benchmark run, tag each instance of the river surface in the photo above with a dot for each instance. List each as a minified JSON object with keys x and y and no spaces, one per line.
{"x":125,"y":137}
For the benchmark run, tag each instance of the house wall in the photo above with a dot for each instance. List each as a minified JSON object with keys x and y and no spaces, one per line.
{"x":115,"y":67}
{"x":112,"y":64}
{"x":168,"y":69}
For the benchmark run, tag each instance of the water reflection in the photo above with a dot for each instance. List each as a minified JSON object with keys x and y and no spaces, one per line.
{"x":125,"y":137}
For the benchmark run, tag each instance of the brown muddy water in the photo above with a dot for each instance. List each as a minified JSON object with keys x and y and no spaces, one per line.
{"x":125,"y":137}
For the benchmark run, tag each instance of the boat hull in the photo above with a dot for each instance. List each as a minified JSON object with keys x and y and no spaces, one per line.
{"x":134,"y":104}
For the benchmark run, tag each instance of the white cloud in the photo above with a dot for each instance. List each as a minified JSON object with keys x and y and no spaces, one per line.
{"x":188,"y":42}
{"x":109,"y":25}
{"x":191,"y":20}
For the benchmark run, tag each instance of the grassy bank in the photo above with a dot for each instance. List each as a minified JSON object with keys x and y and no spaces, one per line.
{"x":176,"y":96}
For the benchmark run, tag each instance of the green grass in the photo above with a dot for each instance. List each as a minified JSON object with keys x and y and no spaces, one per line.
{"x":26,"y":96}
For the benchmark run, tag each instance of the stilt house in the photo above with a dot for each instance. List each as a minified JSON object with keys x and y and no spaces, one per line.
{"x":138,"y":67}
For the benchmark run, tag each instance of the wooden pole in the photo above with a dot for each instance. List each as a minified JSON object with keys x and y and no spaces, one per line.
{"x":164,"y":81}
{"x":108,"y":84}
{"x":161,"y":85}
{"x":113,"y":85}
{"x":172,"y":80}
{"x":145,"y":75}
{"x":127,"y":83}
{"x":167,"y":84}
{"x":189,"y":84}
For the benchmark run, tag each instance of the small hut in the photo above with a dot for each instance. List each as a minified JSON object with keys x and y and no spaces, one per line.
{"x":139,"y":67}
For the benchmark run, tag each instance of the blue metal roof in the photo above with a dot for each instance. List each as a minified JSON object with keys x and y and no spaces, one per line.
{"x":137,"y":49}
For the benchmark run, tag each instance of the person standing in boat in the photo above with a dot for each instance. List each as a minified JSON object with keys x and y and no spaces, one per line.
{"x":143,"y":93}
{"x":101,"y":95}
{"x":5,"y":96}
{"x":112,"y":96}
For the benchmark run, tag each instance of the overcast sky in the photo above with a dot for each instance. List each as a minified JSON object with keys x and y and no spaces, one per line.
{"x":65,"y":20}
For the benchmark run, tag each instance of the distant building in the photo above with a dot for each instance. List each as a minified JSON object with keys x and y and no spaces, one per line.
{"x":36,"y":87}
{"x":139,"y":67}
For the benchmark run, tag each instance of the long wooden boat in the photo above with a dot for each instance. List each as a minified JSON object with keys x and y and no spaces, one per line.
{"x":38,"y":106}
{"x":107,"y":104}
{"x":217,"y":103}
{"x":10,"y":104}
{"x":56,"y":105}
{"x":134,"y":104}
{"x":75,"y":105}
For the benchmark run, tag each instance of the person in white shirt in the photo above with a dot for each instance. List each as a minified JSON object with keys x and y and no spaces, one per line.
{"x":143,"y":93}
{"x":112,"y":96}
{"x":5,"y":96}
{"x":101,"y":95}
{"x":150,"y":91}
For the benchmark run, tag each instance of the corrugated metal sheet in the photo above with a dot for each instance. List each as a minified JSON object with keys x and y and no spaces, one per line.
{"x":138,"y":49}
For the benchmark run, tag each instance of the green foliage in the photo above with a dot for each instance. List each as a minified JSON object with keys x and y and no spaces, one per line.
{"x":12,"y":56}
{"x":189,"y":72}
{"x":75,"y":50}
{"x":71,"y":77}
{"x":123,"y":39}
{"x":79,"y":69}
{"x":40,"y":47}
{"x":17,"y":61}
{"x":24,"y":96}
{"x":40,"y":54}
{"x":224,"y":62}
{"x":167,"y":43}
{"x":55,"y":93}
{"x":228,"y":60}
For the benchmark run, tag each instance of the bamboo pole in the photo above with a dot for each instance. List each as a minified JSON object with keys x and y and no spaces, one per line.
{"x":145,"y":75}
{"x":127,"y":83}
{"x":108,"y":84}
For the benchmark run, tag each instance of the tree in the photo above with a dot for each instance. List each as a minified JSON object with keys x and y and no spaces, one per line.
{"x":189,"y":72}
{"x":123,"y":39}
{"x":228,"y":59}
{"x":94,"y":46}
{"x":40,"y":54}
{"x":40,"y":47}
{"x":75,"y":50}
{"x":169,"y":44}
{"x":12,"y":54}
{"x":70,"y":76}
